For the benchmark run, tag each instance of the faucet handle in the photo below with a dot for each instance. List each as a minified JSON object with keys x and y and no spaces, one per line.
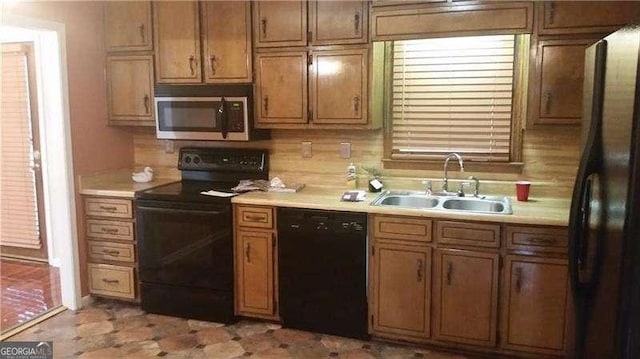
{"x":476,"y":185}
{"x":428,"y":187}
{"x":461,"y":188}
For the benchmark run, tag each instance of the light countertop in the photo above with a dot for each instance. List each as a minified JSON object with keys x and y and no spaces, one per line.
{"x":117,"y":184}
{"x":537,"y":211}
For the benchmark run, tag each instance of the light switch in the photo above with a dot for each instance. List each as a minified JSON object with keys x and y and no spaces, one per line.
{"x":345,"y":149}
{"x":306,"y":151}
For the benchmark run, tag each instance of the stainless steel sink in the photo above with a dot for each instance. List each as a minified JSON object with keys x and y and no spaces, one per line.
{"x":410,"y":201}
{"x":476,"y":205}
{"x":445,"y":202}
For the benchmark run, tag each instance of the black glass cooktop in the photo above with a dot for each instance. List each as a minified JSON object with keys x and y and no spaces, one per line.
{"x":187,"y":191}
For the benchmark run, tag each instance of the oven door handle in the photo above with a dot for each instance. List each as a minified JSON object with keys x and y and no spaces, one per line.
{"x":181,"y":211}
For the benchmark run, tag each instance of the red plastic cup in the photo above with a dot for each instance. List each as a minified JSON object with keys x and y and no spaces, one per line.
{"x":522,"y":190}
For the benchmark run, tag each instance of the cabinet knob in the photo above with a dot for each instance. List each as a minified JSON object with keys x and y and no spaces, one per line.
{"x":145,"y":102}
{"x":266,"y":104}
{"x":213,"y":64}
{"x":192,"y":61}
{"x":247,"y":252}
{"x":449,"y":272}
{"x":263,"y":22}
{"x":142,"y":33}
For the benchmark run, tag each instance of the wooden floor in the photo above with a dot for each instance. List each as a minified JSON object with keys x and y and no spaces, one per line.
{"x":29,"y":289}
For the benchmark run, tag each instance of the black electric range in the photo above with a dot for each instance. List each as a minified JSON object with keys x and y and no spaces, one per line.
{"x":185,"y":238}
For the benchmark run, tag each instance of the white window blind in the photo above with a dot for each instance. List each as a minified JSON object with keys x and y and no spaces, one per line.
{"x":453,"y":95}
{"x":19,"y":226}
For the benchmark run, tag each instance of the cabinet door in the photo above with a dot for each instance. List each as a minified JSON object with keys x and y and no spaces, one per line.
{"x":280,"y":23}
{"x":556,"y":96}
{"x":128,"y":26}
{"x":339,"y":87}
{"x":401,"y":284}
{"x":254,"y":273}
{"x":130,"y":90}
{"x":226,"y":37}
{"x":570,"y":17}
{"x":338,"y":22}
{"x":281,"y":87}
{"x":466,"y":296}
{"x":535,"y":304}
{"x":177,"y":37}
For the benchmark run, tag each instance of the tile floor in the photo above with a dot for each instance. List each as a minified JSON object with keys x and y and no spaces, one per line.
{"x":28,"y":289}
{"x":111,"y":329}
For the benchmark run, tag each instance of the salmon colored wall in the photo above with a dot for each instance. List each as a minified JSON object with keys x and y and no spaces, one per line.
{"x":96,"y":147}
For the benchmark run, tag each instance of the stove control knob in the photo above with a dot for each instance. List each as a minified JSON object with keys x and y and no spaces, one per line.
{"x":196,"y":160}
{"x":187,"y":159}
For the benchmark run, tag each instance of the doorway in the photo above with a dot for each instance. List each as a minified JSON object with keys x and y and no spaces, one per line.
{"x":38,"y":244}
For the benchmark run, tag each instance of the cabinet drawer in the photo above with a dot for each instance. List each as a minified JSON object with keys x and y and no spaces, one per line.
{"x":98,"y":228}
{"x":114,"y":281}
{"x":259,"y":217}
{"x":542,"y":239}
{"x":468,"y":234}
{"x":112,"y":251}
{"x":410,"y":229}
{"x":108,"y":207}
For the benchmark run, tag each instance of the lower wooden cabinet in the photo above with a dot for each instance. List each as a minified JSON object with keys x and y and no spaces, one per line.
{"x":254,"y":272}
{"x":535,"y":304}
{"x":466,"y":296}
{"x":256,"y":290}
{"x":111,"y":247}
{"x":401,"y":290}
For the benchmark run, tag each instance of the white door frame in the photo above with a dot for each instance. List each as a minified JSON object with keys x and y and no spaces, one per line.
{"x":57,"y":169}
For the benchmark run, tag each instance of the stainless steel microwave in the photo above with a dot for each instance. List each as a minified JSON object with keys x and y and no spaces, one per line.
{"x":219,"y":113}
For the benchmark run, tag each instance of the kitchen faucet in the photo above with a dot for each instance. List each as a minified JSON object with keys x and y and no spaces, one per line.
{"x":445,"y":180}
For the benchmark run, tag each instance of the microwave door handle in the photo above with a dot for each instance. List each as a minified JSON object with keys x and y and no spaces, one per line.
{"x":221,"y":116}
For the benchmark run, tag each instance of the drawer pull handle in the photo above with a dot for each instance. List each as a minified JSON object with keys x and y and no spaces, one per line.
{"x":552,"y":13}
{"x":356,"y":23}
{"x":263,"y":22}
{"x":266,"y":105}
{"x":518,"y":279}
{"x":255,"y":218}
{"x":449,"y":272}
{"x":109,"y":230}
{"x":145,"y":102}
{"x":111,"y":252}
{"x":110,"y":281}
{"x":547,"y":103}
{"x":213,"y":61}
{"x":356,"y":105}
{"x":419,"y":266}
{"x":142,"y":33}
{"x":108,"y":208}
{"x":547,"y":241}
{"x":247,"y":252}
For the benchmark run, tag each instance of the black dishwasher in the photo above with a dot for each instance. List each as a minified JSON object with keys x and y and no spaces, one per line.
{"x":323,"y":271}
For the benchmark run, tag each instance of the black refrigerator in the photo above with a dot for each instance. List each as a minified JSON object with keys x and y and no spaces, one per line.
{"x":604,"y":224}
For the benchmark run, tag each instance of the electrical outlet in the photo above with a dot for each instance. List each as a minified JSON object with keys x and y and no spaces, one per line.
{"x":169,"y":147}
{"x":345,"y":149}
{"x":305,"y":149}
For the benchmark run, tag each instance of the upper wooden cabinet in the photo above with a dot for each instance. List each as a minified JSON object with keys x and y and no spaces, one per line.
{"x":338,"y":22}
{"x":339,"y":87}
{"x":281,"y":88}
{"x":177,"y":39}
{"x":130,"y":90}
{"x":535,"y":305}
{"x":280,"y":23}
{"x":427,"y":20}
{"x":284,"y":23}
{"x":556,"y":81}
{"x":128,"y":26}
{"x":570,"y":17}
{"x":466,"y":296}
{"x":226,"y":41}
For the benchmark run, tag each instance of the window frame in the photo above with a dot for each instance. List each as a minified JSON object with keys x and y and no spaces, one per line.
{"x":518,"y":117}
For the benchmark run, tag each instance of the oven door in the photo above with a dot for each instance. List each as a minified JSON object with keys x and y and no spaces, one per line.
{"x":202,"y":118}
{"x":185,"y":244}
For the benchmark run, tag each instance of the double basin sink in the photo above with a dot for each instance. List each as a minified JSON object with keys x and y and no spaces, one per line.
{"x":444,"y":202}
